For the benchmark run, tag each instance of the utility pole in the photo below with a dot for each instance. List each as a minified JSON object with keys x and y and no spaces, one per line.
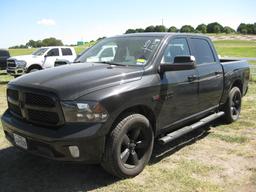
{"x":162,"y":21}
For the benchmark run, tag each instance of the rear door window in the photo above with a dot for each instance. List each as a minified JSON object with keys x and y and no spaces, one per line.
{"x":202,"y":51}
{"x":66,"y":51}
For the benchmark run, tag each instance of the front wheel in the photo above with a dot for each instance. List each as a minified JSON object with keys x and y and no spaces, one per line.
{"x":232,"y":107}
{"x":33,"y":70}
{"x":129,"y":146}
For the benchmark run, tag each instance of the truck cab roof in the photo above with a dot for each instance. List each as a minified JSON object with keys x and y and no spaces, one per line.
{"x":163,"y":34}
{"x":58,"y":47}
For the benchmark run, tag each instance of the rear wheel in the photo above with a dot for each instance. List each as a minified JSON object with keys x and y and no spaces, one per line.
{"x":129,"y":147}
{"x":233,"y":106}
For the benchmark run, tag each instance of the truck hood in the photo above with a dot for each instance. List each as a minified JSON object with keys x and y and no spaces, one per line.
{"x":25,"y":57}
{"x":70,"y":82}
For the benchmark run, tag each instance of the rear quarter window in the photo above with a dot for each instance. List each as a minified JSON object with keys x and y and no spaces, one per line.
{"x":202,"y":51}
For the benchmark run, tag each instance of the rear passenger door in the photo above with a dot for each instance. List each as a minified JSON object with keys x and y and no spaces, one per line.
{"x":67,"y":54}
{"x":210,"y":73}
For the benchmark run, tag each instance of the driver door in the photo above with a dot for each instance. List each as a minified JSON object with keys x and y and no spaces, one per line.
{"x":51,"y":57}
{"x":179,"y":89}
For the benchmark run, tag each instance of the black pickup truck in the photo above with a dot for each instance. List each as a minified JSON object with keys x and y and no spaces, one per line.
{"x":4,"y":55}
{"x":110,"y":108}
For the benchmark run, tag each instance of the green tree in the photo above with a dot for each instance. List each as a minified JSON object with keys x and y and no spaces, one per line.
{"x":35,"y":44}
{"x":214,"y":28}
{"x":242,"y":28}
{"x":160,"y":28}
{"x":130,"y":31}
{"x":139,"y":30}
{"x":52,"y":42}
{"x":254,"y":28}
{"x":150,"y":29}
{"x":187,"y":29}
{"x":247,"y":28}
{"x":173,"y":29}
{"x":250,"y":28}
{"x":228,"y":30}
{"x":100,"y":38}
{"x":31,"y":43}
{"x":202,"y":28}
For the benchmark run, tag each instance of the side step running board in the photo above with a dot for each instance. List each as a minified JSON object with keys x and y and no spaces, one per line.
{"x":174,"y":135}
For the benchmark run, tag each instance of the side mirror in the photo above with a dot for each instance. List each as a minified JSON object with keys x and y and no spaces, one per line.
{"x":180,"y":63}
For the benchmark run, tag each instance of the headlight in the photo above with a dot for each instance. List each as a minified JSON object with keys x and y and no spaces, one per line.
{"x":21,"y":63}
{"x":84,"y":112}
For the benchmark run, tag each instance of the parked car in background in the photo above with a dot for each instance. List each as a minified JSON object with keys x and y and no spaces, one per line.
{"x":4,"y":55}
{"x":157,"y":87}
{"x":105,"y":54}
{"x":42,"y":58}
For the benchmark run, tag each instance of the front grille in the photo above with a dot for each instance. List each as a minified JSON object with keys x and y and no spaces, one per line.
{"x":11,"y":63}
{"x":35,"y":107}
{"x":39,"y":100}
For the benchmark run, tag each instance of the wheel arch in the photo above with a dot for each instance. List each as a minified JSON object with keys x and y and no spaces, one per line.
{"x":141,"y":109}
{"x":238,"y":83}
{"x":34,"y":66}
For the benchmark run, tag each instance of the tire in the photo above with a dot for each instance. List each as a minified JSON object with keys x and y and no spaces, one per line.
{"x":129,"y":147}
{"x":232,"y":107}
{"x":33,"y":68}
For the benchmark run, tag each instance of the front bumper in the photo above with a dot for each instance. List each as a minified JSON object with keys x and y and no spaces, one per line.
{"x":53,"y":143}
{"x":15,"y":71}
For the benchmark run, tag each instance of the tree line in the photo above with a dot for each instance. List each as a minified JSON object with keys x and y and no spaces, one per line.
{"x":202,"y":28}
{"x":215,"y":27}
{"x":40,"y":43}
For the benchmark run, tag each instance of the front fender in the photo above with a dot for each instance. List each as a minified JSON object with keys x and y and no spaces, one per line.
{"x":119,"y":98}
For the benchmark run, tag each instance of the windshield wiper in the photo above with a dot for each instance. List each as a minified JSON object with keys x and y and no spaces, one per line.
{"x":110,"y":63}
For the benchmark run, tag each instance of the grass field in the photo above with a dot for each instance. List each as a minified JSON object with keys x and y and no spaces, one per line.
{"x":252,"y":62}
{"x":215,"y":158}
{"x":236,"y":48}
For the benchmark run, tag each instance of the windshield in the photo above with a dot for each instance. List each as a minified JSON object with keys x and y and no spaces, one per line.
{"x":122,"y":50}
{"x":40,"y":51}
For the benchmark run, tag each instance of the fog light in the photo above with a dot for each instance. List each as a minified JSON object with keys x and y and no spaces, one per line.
{"x":74,"y":151}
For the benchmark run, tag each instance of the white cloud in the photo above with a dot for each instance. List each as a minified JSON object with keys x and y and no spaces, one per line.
{"x":46,"y":22}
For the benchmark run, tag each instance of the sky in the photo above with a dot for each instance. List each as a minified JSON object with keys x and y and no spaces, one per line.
{"x":85,"y":20}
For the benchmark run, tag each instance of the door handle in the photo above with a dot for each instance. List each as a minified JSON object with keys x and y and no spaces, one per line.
{"x":192,"y":78}
{"x":217,"y":73}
